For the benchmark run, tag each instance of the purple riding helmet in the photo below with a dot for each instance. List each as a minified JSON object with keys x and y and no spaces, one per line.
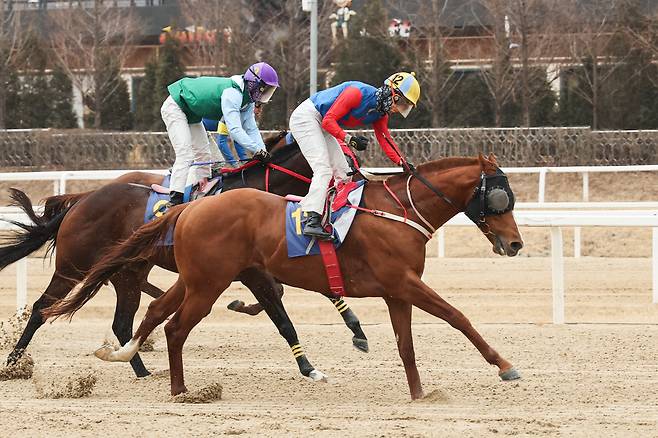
{"x":262,"y":81}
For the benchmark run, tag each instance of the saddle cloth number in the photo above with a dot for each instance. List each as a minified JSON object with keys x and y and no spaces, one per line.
{"x":297,"y":217}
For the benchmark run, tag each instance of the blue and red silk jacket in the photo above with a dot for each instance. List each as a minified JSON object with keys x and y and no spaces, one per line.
{"x":353,"y":104}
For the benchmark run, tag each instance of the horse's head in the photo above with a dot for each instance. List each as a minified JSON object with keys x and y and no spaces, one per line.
{"x":274,"y":142}
{"x":491,"y":208}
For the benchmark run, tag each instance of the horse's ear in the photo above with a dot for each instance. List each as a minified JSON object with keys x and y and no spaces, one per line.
{"x":482,"y":161}
{"x":492,"y":158}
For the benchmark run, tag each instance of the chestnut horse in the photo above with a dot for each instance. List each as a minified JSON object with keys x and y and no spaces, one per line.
{"x":379,"y":258}
{"x":86,"y":223}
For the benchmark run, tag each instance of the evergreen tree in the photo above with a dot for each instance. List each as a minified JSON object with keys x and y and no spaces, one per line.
{"x":145,"y":103}
{"x":115,"y":103}
{"x":170,"y":69}
{"x":370,"y":56}
{"x":61,"y":114}
{"x":470,"y":104}
{"x":12,"y":99}
{"x":35,"y":105}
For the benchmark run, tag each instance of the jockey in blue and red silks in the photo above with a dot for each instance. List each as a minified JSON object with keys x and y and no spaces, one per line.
{"x":317,"y":125}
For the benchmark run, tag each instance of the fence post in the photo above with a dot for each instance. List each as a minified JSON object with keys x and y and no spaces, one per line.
{"x":576,"y":230}
{"x":441,"y":242}
{"x":542,"y":185}
{"x":654,"y":261}
{"x":557,"y":260}
{"x":62,"y":184}
{"x":21,"y":285}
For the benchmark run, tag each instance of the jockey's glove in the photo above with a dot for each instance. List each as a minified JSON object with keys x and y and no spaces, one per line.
{"x":262,"y":155}
{"x":358,"y":142}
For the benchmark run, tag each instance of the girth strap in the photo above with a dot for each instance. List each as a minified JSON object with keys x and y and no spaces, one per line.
{"x":332,"y":268}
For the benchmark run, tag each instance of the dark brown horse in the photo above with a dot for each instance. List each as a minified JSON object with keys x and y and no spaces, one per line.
{"x":83,"y":225}
{"x":379,"y":258}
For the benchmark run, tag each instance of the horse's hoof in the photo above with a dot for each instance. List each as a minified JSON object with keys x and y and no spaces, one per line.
{"x":510,"y":374}
{"x":142,"y":374}
{"x":318,"y":376}
{"x":360,"y":344}
{"x":235,"y":305}
{"x":104,"y":352}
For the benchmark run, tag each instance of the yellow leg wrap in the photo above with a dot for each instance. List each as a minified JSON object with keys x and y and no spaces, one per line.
{"x":341,"y":306}
{"x":297,"y":350}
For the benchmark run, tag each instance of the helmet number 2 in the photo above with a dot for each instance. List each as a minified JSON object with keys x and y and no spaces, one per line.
{"x":397,"y":79}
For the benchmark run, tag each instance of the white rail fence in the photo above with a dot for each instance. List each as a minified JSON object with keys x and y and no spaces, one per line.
{"x":591,"y":214}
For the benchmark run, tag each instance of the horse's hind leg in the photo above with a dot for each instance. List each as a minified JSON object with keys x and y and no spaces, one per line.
{"x":58,"y":288}
{"x":196,"y":305}
{"x":265,"y":289}
{"x":359,"y":339}
{"x":127,"y":286}
{"x":157,"y":312}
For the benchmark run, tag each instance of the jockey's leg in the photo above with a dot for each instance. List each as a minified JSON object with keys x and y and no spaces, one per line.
{"x":306,"y":127}
{"x":340,"y":167}
{"x":181,"y":139}
{"x":201,"y":151}
{"x":241,"y":151}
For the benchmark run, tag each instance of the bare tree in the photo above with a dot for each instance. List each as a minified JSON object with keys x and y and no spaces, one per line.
{"x":534,"y":40}
{"x":285,"y":41}
{"x":222,"y":44}
{"x":595,"y":27}
{"x":500,"y":76}
{"x":431,"y":60}
{"x":12,"y":45}
{"x":86,"y":39}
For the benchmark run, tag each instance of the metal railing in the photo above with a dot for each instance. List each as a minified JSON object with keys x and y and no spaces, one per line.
{"x":78,"y":150}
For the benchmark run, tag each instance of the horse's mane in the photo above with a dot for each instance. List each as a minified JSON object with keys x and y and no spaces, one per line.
{"x":284,"y":153}
{"x":448,"y":163}
{"x":439,"y":165}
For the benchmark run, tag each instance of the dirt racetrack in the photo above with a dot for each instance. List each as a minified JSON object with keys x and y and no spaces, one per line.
{"x":594,"y":378}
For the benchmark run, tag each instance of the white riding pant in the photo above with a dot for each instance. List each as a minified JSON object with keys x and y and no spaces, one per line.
{"x":322,"y":152}
{"x":191,"y":144}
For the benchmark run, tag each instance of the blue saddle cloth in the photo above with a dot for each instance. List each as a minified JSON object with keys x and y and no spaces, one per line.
{"x":300,"y":245}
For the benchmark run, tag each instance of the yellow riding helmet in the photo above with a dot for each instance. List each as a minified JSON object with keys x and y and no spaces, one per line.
{"x":406,"y":84}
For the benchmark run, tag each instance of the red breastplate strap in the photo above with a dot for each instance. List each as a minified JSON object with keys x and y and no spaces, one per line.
{"x":331,"y":266}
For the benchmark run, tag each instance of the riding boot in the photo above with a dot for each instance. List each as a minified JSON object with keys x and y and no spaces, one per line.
{"x":175,"y":198}
{"x":313,"y":227}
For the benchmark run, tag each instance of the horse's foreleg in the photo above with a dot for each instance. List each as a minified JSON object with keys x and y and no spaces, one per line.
{"x":359,"y":339}
{"x":157,"y":312}
{"x":400,"y":313}
{"x":58,"y":288}
{"x":128,"y":291}
{"x":256,"y":308}
{"x":423,"y":297}
{"x":151,"y":290}
{"x":240,"y":307}
{"x":266,"y":290}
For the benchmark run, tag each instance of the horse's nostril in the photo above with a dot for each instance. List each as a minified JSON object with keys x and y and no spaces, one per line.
{"x":516,"y":246}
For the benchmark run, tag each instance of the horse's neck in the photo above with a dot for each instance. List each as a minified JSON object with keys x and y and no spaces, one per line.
{"x":456,"y":183}
{"x":280,"y":183}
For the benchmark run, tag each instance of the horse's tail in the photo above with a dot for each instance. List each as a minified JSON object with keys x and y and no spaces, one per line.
{"x":31,"y":237}
{"x":141,"y":245}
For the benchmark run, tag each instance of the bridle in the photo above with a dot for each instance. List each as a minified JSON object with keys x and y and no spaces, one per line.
{"x":480,"y":204}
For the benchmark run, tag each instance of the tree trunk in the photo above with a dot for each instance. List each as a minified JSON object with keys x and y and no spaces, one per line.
{"x":595,"y":94}
{"x":525,"y":64}
{"x":3,"y":96}
{"x":98,"y":86}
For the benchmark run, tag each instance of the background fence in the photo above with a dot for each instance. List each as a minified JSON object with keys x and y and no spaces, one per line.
{"x":77,"y":150}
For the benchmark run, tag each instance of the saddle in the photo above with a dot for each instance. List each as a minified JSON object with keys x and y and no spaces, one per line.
{"x":195,"y":191}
